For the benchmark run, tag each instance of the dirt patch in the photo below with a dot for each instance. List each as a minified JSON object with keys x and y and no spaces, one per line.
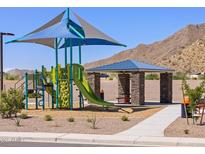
{"x":108,"y":122}
{"x":179,"y":128}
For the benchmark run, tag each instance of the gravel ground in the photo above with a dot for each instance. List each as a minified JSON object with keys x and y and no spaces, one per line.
{"x":107,"y":122}
{"x":178,"y":127}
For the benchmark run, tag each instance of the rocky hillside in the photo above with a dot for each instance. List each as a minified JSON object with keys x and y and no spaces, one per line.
{"x":183,"y":51}
{"x":18,"y":72}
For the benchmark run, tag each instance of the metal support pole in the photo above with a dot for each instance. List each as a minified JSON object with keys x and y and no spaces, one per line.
{"x":57,"y":82}
{"x":66,"y":61}
{"x":71,"y":76}
{"x":1,"y":63}
{"x":43,"y":96}
{"x":80,"y":77}
{"x":1,"y":59}
{"x":52,"y":97}
{"x":36,"y":87}
{"x":26,"y":90}
{"x":43,"y":88}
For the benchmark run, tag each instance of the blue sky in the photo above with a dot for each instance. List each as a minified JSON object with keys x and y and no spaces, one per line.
{"x":130,"y":26}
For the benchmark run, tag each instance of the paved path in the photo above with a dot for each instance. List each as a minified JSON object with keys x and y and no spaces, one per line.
{"x":156,"y":124}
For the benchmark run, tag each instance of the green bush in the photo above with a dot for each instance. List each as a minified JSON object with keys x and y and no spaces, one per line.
{"x":151,"y":77}
{"x":71,"y":119}
{"x":11,"y":77}
{"x":23,"y":115}
{"x":179,"y":76}
{"x":110,"y":78}
{"x":11,"y":102}
{"x":48,"y":117}
{"x":124,"y":118}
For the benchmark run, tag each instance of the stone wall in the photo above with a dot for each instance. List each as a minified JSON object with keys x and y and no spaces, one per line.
{"x":123,"y":86}
{"x":137,"y":88}
{"x":166,"y":88}
{"x":94,"y":81}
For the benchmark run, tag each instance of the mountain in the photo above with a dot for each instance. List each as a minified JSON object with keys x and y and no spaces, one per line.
{"x":183,"y":51}
{"x":18,"y":72}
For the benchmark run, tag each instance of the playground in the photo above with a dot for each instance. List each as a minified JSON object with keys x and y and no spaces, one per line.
{"x":63,"y":83}
{"x":69,"y":98}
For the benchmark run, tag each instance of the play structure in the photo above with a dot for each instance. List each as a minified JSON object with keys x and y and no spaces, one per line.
{"x":63,"y":33}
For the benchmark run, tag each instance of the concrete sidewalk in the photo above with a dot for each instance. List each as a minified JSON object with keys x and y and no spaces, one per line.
{"x":156,"y":124}
{"x":99,"y":139}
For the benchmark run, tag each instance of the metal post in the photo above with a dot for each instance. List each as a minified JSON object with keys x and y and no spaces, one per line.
{"x":66,"y":61}
{"x":26,"y":90}
{"x":43,"y":96}
{"x":52,"y":92}
{"x":1,"y":63}
{"x":80,"y":77}
{"x":36,"y":87}
{"x":71,"y":76}
{"x":57,"y":88}
{"x":43,"y":88}
{"x":1,"y":60}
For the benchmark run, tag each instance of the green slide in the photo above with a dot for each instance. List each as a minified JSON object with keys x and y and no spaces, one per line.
{"x":84,"y":87}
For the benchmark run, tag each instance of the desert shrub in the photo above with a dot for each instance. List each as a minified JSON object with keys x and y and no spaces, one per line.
{"x":151,"y":77}
{"x":89,"y":120}
{"x":93,"y":122}
{"x":186,"y":131}
{"x":11,"y":77}
{"x":179,"y":76}
{"x":124,"y":118}
{"x":48,"y":117}
{"x":11,"y":102}
{"x":110,"y":78}
{"x":71,"y":119}
{"x":17,"y":121}
{"x":23,"y":115}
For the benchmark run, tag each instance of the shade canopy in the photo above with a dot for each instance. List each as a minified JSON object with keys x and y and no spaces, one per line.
{"x":129,"y":66}
{"x":92,"y":36}
{"x":32,"y":36}
{"x":83,"y":34}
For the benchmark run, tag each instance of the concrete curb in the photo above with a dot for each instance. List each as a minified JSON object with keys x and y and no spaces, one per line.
{"x":100,"y":139}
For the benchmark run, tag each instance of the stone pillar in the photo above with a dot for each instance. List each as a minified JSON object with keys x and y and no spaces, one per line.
{"x":137,"y":88}
{"x":94,"y":81}
{"x":123,"y":86}
{"x":165,"y":87}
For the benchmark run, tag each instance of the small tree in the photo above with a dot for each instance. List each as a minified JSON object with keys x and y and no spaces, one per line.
{"x":194,"y":94}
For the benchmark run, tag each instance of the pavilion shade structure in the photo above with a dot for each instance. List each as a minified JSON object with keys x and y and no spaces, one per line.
{"x":129,"y":66}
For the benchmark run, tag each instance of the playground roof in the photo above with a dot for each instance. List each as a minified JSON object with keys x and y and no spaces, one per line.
{"x":83,"y":34}
{"x":129,"y":66}
{"x":92,"y":36}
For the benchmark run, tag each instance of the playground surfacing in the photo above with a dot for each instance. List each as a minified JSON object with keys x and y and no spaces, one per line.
{"x":108,"y":122}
